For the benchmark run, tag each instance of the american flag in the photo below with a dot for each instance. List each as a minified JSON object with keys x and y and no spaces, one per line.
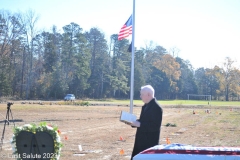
{"x":126,"y":29}
{"x":178,"y":151}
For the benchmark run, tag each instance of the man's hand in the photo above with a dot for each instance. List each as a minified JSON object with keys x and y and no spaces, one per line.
{"x":135,"y":124}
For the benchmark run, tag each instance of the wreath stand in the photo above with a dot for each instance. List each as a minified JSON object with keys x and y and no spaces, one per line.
{"x":36,"y":142}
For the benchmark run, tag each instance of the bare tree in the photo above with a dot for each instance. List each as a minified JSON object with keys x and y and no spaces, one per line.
{"x":29,"y":20}
{"x":227,"y":77}
{"x":174,"y":51}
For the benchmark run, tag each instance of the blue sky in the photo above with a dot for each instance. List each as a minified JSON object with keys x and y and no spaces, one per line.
{"x":205,"y":31}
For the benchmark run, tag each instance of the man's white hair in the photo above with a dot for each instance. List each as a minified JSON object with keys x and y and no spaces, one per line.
{"x":148,"y":89}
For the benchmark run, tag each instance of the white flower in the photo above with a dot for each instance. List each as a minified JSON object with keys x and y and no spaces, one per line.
{"x":27,"y":125}
{"x":20,"y":128}
{"x":13,"y":144}
{"x":11,"y":141}
{"x":49,"y":128}
{"x":13,"y":148}
{"x":58,"y":139}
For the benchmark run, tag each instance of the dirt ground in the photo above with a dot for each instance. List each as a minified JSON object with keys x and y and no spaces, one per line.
{"x":98,"y":129}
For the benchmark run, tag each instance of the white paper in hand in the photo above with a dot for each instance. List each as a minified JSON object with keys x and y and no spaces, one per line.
{"x":127,"y":117}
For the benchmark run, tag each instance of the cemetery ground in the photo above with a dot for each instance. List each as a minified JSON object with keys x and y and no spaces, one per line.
{"x":97,"y":129}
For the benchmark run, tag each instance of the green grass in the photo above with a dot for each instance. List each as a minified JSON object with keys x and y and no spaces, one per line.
{"x":173,"y":102}
{"x":196,"y":102}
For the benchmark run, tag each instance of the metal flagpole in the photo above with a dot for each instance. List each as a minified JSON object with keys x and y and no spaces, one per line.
{"x":132,"y":63}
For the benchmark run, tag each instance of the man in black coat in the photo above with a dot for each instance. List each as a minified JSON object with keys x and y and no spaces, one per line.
{"x":149,"y":123}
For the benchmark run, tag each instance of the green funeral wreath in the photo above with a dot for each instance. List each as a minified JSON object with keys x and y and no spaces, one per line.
{"x":42,"y":127}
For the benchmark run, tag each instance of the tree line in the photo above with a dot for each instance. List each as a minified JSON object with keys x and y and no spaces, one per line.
{"x":37,"y":64}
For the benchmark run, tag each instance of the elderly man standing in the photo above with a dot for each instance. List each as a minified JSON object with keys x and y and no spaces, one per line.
{"x":149,"y":123}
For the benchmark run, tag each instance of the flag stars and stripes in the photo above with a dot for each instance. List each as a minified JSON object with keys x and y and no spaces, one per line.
{"x":126,"y":29}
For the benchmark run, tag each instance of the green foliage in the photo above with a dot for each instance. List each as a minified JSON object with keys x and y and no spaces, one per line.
{"x":171,"y":125}
{"x":84,"y":103}
{"x":99,"y":63}
{"x":5,"y":87}
{"x":80,"y":103}
{"x":186,"y":83}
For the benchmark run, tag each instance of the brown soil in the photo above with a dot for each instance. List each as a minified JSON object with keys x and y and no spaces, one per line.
{"x":98,"y":129}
